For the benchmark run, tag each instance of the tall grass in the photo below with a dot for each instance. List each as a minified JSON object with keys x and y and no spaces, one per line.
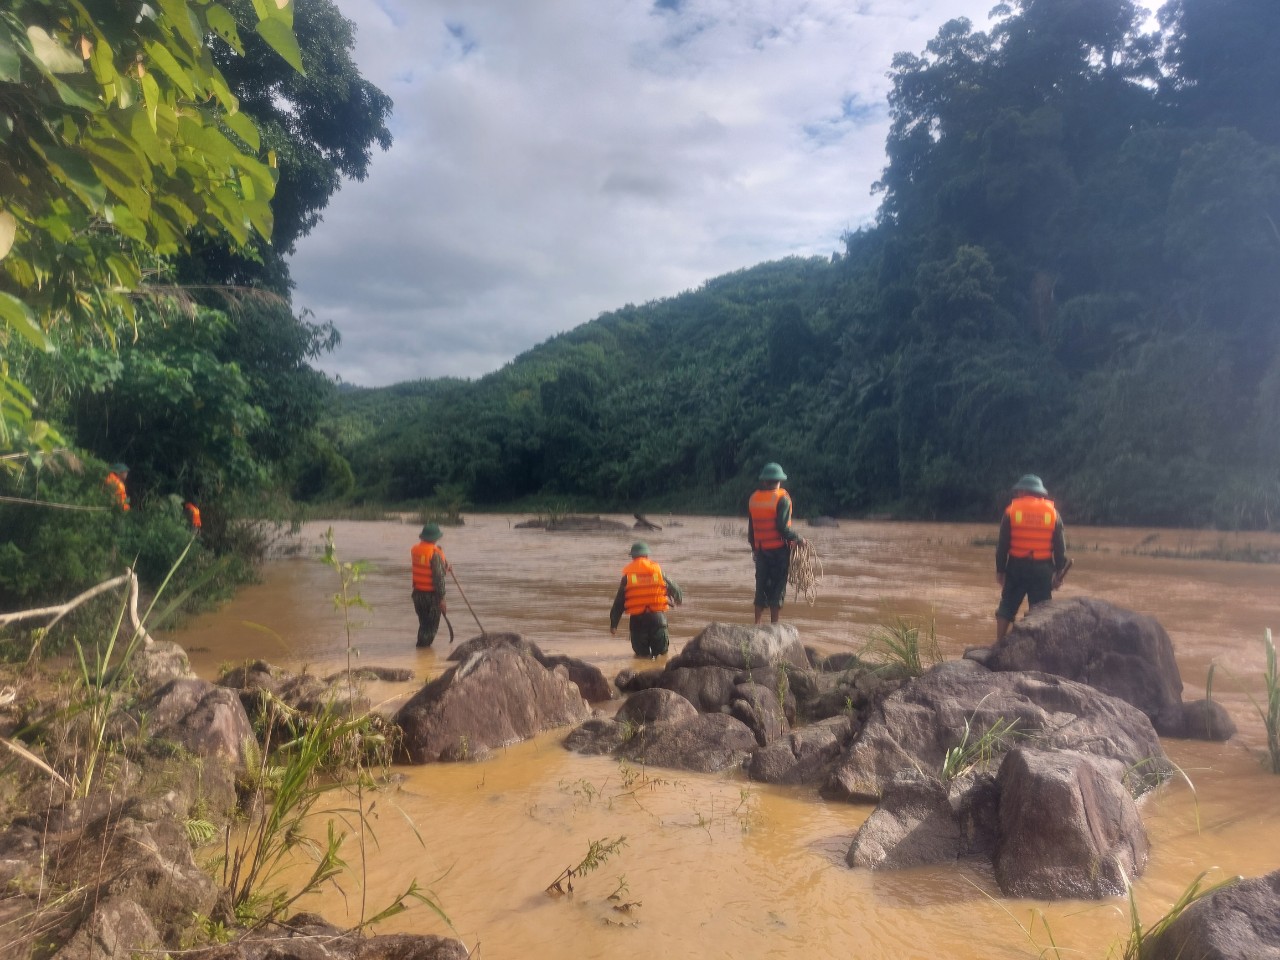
{"x":1270,"y":713}
{"x":1137,"y":944}
{"x":974,"y":752}
{"x":902,"y":645}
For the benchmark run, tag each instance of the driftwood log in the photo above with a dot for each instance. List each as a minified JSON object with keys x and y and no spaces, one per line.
{"x":644,"y":523}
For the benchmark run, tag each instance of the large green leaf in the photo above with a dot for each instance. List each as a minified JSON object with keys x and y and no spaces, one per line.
{"x":10,"y":61}
{"x":17,"y":315}
{"x":281,"y":39}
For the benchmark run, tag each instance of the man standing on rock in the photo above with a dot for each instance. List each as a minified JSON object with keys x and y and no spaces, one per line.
{"x":429,"y":569}
{"x":1031,"y":554}
{"x":771,"y":537}
{"x":643,"y":594}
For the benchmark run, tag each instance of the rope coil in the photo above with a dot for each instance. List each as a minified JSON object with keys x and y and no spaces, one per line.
{"x":805,"y":573}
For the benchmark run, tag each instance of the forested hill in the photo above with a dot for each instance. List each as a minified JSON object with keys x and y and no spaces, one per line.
{"x":1075,"y":271}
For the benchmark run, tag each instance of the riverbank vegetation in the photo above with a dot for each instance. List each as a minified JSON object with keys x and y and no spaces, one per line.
{"x":1074,"y":270}
{"x":168,"y":166}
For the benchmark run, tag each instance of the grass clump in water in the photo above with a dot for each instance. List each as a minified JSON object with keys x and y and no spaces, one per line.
{"x":1270,"y":713}
{"x":902,"y":646}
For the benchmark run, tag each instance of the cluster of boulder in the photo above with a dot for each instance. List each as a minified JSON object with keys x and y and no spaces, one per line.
{"x":1030,"y":755}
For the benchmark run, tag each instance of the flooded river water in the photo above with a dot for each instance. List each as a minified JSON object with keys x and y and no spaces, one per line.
{"x":718,"y":866}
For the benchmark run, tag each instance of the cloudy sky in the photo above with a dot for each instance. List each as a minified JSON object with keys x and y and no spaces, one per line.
{"x":555,"y":159}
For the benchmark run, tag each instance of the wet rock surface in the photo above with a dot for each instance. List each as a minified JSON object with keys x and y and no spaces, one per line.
{"x":496,"y":696}
{"x":1238,"y":921}
{"x":913,"y":727}
{"x":1122,"y":653}
{"x":590,"y":679}
{"x":1068,"y":826}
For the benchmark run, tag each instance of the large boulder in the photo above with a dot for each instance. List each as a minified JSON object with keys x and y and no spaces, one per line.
{"x":496,"y":697}
{"x":1123,"y":653}
{"x":592,"y":683}
{"x":1068,"y":827}
{"x":914,"y":727}
{"x":1232,"y":923}
{"x":743,"y":648}
{"x":205,"y":719}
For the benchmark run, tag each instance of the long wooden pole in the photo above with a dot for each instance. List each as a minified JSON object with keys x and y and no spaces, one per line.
{"x":466,"y":601}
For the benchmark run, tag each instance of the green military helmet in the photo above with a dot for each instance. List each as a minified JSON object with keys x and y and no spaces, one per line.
{"x":431,"y":533}
{"x":639,"y":549}
{"x":1030,"y":483}
{"x":772,"y":471}
{"x":119,"y":468}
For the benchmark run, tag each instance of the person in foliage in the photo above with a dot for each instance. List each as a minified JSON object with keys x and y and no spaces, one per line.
{"x":1031,"y":554}
{"x":771,"y":537}
{"x":429,"y":569}
{"x":643,"y":594}
{"x":115,"y":485}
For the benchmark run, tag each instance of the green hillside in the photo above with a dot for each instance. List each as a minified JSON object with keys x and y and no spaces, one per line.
{"x":1075,"y":271}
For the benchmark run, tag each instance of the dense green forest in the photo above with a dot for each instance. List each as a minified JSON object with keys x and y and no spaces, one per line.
{"x":156,"y":169}
{"x":1075,"y":271}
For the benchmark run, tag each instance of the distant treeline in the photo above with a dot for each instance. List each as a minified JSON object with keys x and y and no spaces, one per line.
{"x":1075,"y":271}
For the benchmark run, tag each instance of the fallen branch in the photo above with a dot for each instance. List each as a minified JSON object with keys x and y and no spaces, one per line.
{"x":61,"y":610}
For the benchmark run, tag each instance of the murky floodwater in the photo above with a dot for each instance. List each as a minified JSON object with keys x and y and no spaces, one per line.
{"x":717,"y":866}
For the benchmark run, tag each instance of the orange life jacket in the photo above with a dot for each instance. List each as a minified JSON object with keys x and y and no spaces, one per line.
{"x":1031,"y":524}
{"x":763,"y":508}
{"x":115,"y":483}
{"x":421,"y":555}
{"x":193,"y":512}
{"x":646,"y":590}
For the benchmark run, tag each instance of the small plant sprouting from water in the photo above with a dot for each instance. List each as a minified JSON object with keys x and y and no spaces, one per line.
{"x":1136,"y":945}
{"x":598,"y":851}
{"x":974,"y":752}
{"x":901,"y":645}
{"x":1270,"y":713}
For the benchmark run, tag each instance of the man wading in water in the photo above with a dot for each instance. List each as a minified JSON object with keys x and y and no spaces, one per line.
{"x":429,"y":569}
{"x":643,"y":595}
{"x":1031,"y":554}
{"x":771,"y":537}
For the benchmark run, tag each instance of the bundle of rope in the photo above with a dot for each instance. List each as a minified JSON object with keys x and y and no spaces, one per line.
{"x":805,"y":572}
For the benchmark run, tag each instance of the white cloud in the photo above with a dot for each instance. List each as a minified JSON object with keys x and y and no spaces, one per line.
{"x":557,"y":159}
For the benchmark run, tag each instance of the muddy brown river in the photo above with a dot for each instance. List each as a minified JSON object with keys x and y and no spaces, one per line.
{"x":715,"y":865}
